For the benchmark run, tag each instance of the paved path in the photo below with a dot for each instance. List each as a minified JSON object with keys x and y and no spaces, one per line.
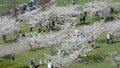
{"x":12,"y":48}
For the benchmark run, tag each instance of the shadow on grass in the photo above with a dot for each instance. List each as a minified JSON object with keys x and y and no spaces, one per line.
{"x":10,"y":41}
{"x":94,"y":58}
{"x":7,"y":57}
{"x":105,"y":41}
{"x":96,"y":47}
{"x":101,"y":41}
{"x":37,"y":66}
{"x":36,"y":49}
{"x":118,"y":41}
{"x":86,"y":23}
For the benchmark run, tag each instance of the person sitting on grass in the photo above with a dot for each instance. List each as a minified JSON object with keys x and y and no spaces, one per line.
{"x":17,"y":37}
{"x":90,"y":42}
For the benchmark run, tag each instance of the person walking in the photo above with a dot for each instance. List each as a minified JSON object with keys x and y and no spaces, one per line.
{"x":111,"y":37}
{"x":32,"y":63}
{"x":108,"y":37}
{"x":31,"y":28}
{"x":50,"y":64}
{"x":13,"y":57}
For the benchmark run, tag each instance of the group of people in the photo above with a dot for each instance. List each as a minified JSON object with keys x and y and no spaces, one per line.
{"x":90,"y":42}
{"x":33,"y":65}
{"x":109,"y":37}
{"x":81,"y":34}
{"x":18,"y":36}
{"x":83,"y":17}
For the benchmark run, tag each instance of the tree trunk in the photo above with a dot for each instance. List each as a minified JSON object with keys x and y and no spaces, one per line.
{"x":30,"y":46}
{"x":4,"y":37}
{"x":15,"y":13}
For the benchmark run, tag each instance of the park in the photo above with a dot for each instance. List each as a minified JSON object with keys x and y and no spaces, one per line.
{"x":59,"y":33}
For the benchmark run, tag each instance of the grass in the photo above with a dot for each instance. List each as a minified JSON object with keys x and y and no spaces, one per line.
{"x":4,"y":2}
{"x":89,"y":20}
{"x":96,"y":62}
{"x":36,"y":53}
{"x":25,"y":27}
{"x":104,"y":49}
{"x":25,"y":56}
{"x":10,"y":64}
{"x":102,"y":64}
{"x":19,"y":1}
{"x":10,"y":38}
{"x":68,"y":2}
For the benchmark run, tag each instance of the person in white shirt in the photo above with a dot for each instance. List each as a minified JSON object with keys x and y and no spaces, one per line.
{"x":108,"y":37}
{"x":49,"y":64}
{"x":76,"y":32}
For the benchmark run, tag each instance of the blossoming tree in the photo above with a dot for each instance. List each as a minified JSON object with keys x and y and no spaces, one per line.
{"x":8,"y":25}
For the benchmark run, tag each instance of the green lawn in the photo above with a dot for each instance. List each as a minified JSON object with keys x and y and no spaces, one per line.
{"x":103,"y":50}
{"x":4,"y":2}
{"x":25,"y":56}
{"x":24,"y":28}
{"x":97,"y":62}
{"x":67,"y":2}
{"x":10,"y":64}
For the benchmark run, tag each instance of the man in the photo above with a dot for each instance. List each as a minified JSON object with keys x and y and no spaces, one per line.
{"x":13,"y":57}
{"x":111,"y":37}
{"x":31,"y":29}
{"x":32,"y":62}
{"x":50,"y":64}
{"x":108,"y":37}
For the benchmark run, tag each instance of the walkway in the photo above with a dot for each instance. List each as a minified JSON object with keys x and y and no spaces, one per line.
{"x":12,"y":48}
